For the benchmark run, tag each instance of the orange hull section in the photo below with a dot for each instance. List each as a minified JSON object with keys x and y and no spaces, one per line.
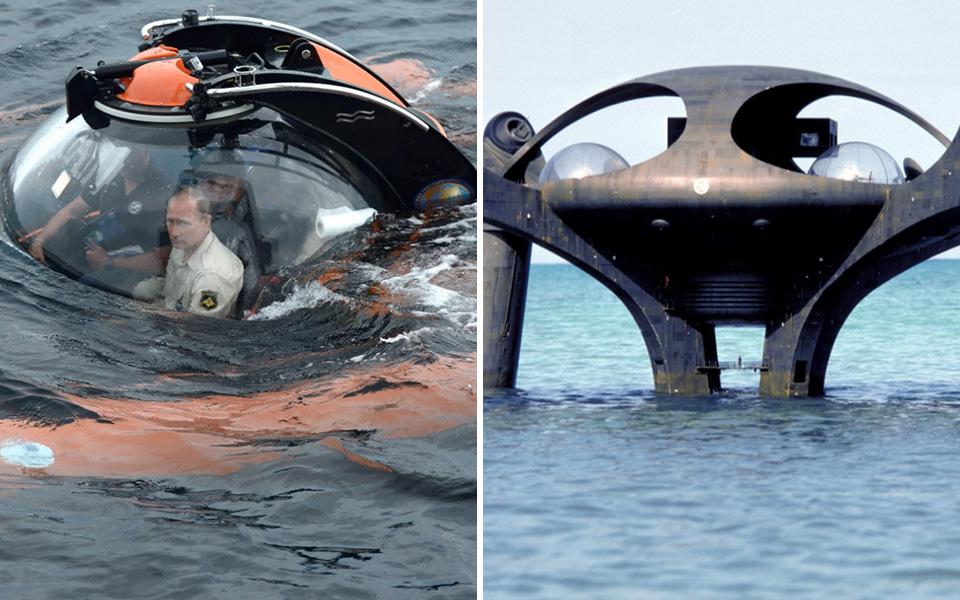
{"x":344,"y":70}
{"x":160,"y":83}
{"x":209,"y":435}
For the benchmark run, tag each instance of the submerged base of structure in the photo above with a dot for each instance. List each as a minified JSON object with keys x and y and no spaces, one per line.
{"x":506,"y":268}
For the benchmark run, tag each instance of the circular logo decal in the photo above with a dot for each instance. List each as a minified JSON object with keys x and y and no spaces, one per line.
{"x":701,"y":185}
{"x":447,"y":191}
{"x":135,"y":207}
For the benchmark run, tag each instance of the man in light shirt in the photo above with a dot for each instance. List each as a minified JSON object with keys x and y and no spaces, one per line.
{"x":203,"y":276}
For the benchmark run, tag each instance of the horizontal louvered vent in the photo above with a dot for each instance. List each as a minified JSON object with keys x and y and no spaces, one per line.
{"x":726,"y":296}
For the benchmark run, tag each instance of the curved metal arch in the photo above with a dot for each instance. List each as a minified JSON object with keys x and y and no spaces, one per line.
{"x":904,"y":112}
{"x":774,"y":78}
{"x":624,"y":92}
{"x":837,"y":302}
{"x":608,"y":274}
{"x":785,"y":97}
{"x":622,"y":287}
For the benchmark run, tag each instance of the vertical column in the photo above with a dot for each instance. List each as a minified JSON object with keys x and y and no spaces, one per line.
{"x":685,"y":349}
{"x":787,"y":362}
{"x":506,"y":270}
{"x":709,"y":340}
{"x":796,"y":354}
{"x":506,"y":260}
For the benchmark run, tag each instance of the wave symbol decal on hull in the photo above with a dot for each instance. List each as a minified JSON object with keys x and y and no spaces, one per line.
{"x":365,"y":115}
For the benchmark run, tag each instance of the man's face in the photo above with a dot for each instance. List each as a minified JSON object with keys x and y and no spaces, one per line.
{"x":221,"y":188}
{"x":186,"y":226}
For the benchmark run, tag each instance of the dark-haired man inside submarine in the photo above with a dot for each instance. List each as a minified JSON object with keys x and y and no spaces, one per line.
{"x":203,"y":276}
{"x":123,"y":208}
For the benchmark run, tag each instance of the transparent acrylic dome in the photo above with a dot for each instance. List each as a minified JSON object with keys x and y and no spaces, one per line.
{"x":582,"y":160}
{"x":858,"y":161}
{"x":274,"y":191}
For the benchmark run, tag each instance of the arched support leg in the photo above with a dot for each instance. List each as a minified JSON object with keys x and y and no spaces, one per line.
{"x":683,"y":356}
{"x":796,"y":353}
{"x":506,"y":269}
{"x":786,"y":362}
{"x":681,"y":352}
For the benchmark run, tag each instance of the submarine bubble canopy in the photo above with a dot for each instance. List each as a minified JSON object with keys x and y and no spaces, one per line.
{"x":858,"y":161}
{"x":270,"y":182}
{"x":582,"y":160}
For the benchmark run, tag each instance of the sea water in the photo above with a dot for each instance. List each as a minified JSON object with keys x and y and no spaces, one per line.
{"x":595,"y":487}
{"x":111,"y":510}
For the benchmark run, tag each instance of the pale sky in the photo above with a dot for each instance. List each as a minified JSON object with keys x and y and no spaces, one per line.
{"x":543,"y":56}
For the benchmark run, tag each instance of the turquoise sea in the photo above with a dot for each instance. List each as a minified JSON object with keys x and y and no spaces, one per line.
{"x":595,"y":487}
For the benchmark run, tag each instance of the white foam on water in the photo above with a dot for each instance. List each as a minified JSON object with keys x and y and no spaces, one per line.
{"x":414,"y":287}
{"x":443,"y":241}
{"x":310,"y":295}
{"x":429,"y":87}
{"x":33,"y":455}
{"x":421,"y":275}
{"x":467,"y":224}
{"x":457,"y":308}
{"x":463,"y":230}
{"x":410,"y":335}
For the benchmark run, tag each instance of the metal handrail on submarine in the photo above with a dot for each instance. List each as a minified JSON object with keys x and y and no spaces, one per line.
{"x":722,"y":228}
{"x":261,"y":63}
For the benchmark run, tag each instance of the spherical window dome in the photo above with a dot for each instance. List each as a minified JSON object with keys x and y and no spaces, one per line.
{"x":582,"y":160}
{"x":858,"y":161}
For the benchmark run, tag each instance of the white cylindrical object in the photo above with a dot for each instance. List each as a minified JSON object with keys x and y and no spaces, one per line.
{"x":330,"y":225}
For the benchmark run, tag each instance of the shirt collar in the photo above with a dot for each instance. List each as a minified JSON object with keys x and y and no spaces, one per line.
{"x":201,"y":249}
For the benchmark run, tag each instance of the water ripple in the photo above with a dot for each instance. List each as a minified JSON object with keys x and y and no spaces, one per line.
{"x":595,"y":485}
